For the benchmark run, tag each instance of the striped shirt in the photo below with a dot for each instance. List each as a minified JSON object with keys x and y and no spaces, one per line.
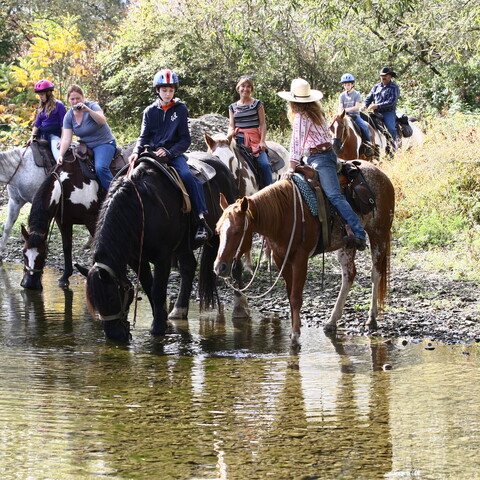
{"x":306,"y":135}
{"x":246,"y":116}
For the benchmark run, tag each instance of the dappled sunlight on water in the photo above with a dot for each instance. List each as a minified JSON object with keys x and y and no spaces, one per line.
{"x":217,"y":399}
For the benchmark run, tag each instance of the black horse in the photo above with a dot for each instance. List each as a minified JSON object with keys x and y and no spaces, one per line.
{"x":71,"y":195}
{"x":141,"y":222}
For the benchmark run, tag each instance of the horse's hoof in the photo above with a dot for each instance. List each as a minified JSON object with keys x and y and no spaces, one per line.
{"x":295,"y":339}
{"x":330,"y":327}
{"x":158,"y":331}
{"x":241,"y":312}
{"x":178,"y":314}
{"x":62,"y":283}
{"x":371,"y":326}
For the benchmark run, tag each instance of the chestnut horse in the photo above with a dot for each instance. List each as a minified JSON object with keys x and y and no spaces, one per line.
{"x":292,"y":233}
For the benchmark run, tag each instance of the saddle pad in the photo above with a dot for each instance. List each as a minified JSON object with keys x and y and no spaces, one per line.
{"x":42,"y":154}
{"x":307,"y":193}
{"x":201,"y":170}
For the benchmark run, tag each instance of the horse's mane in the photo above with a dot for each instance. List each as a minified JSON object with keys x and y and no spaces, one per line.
{"x":270,"y":204}
{"x":40,"y":216}
{"x":119,"y":212}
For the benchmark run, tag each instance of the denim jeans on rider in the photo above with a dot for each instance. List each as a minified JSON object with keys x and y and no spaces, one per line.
{"x":389,"y":119}
{"x":103,"y":156}
{"x":54,"y":141}
{"x":192,"y":184}
{"x":326,"y":166}
{"x":363,"y":126}
{"x":265,"y":169}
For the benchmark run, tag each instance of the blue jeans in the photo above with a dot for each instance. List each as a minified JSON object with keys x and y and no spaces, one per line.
{"x":192,"y":184}
{"x":389,"y":119}
{"x":326,"y":166}
{"x":265,"y":169}
{"x":54,"y":139}
{"x":103,"y":156}
{"x":363,"y":126}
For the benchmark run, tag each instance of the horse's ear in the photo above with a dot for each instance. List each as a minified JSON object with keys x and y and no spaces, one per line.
{"x":244,"y":204}
{"x":343,"y":114}
{"x":83,"y":270}
{"x":223,"y":201}
{"x":25,"y":233}
{"x":208,"y":140}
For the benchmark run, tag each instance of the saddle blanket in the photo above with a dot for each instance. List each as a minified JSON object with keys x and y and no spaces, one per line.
{"x":307,"y":193}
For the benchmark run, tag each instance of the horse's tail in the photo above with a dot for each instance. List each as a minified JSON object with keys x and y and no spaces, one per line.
{"x":207,"y":282}
{"x":383,"y":287}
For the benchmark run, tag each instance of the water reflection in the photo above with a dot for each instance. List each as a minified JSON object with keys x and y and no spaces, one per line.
{"x":217,"y":399}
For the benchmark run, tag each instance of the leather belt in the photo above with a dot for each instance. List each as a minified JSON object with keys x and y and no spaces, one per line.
{"x":322,"y":148}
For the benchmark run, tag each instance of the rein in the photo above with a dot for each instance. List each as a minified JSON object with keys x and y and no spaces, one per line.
{"x":124,"y":303}
{"x":142,"y":235}
{"x":296,"y":193}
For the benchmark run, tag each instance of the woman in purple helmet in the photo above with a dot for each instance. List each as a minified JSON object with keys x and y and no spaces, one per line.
{"x":49,"y":121}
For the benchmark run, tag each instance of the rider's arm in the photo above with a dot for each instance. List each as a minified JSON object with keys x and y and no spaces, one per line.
{"x":65,"y":142}
{"x":231,"y":125}
{"x":262,"y":126}
{"x":182,"y":133}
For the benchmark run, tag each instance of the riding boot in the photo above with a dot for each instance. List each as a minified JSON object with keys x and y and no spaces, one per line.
{"x":203,"y":233}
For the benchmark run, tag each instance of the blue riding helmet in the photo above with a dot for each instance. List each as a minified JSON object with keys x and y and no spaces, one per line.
{"x":347,"y":77}
{"x":165,"y":78}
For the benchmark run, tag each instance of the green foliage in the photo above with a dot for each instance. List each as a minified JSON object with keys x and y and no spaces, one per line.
{"x":438,"y":190}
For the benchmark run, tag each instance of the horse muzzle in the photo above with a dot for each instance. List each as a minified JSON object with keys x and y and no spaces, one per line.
{"x":337,"y":146}
{"x":32,"y":281}
{"x":222,"y":269}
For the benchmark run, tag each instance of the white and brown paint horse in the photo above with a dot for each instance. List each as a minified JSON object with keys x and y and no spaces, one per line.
{"x":220,"y":146}
{"x":22,"y":178}
{"x":276,"y":213}
{"x":348,"y":143}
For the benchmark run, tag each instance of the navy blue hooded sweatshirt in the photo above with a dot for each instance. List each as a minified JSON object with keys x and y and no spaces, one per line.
{"x":167,"y":129}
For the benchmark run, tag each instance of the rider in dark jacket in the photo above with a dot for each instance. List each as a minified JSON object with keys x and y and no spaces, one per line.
{"x":384,"y":96}
{"x":165,"y":130}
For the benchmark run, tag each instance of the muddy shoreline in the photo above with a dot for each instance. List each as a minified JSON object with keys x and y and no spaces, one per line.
{"x":422,"y":305}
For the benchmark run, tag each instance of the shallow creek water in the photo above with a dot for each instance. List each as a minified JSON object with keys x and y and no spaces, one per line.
{"x":221,"y":400}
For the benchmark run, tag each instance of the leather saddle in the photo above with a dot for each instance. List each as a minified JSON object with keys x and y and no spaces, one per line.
{"x":352,"y":184}
{"x":275,"y":160}
{"x":42,"y":154}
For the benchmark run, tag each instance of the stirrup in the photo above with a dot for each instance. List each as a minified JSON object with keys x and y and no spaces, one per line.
{"x":203,"y":232}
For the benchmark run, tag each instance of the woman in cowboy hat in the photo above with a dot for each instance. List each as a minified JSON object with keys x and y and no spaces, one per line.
{"x":311,"y":137}
{"x":384,"y":96}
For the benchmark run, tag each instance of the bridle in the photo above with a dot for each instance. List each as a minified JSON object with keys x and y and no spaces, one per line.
{"x":121,"y":287}
{"x":297,"y":196}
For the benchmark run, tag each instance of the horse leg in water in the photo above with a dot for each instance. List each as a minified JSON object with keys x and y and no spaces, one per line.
{"x":240,"y":302}
{"x":67,"y":231}
{"x":187,"y":264}
{"x":294,"y":274}
{"x":15,"y":203}
{"x":346,"y":258}
{"x":159,"y":293}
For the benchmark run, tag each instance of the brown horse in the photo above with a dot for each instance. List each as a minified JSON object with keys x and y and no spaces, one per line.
{"x":292,"y":233}
{"x":348,"y":144}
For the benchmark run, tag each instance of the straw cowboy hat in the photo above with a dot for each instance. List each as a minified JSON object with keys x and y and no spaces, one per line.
{"x":300,"y":92}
